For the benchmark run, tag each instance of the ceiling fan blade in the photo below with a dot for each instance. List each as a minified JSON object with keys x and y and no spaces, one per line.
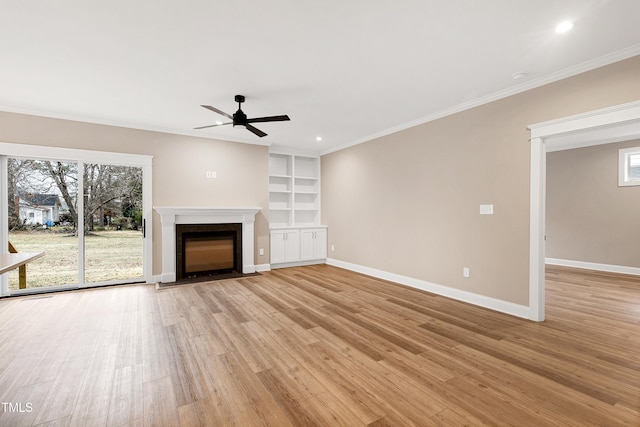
{"x":210,"y":126}
{"x":215,"y":110}
{"x":282,"y":118}
{"x":256,"y":131}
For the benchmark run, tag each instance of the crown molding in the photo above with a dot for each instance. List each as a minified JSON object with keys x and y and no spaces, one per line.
{"x":121,"y":124}
{"x":602,"y":61}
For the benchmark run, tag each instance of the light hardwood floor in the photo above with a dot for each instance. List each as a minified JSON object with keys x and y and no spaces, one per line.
{"x":320,"y":346}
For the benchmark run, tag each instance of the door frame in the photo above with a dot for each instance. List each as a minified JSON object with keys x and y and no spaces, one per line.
{"x":604,"y":126}
{"x":81,"y":157}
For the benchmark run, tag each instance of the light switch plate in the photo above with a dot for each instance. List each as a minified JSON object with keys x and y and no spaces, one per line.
{"x":486,"y":209}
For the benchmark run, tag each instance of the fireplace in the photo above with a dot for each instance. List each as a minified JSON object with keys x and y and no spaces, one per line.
{"x":204,"y":250}
{"x":170,"y":217}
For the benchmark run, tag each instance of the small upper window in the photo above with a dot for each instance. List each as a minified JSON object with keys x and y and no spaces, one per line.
{"x":629,"y":166}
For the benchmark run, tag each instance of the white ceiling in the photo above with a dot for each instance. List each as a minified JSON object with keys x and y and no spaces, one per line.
{"x":344,"y":70}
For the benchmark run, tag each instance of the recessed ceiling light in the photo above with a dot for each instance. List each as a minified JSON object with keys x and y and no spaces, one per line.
{"x":218,"y":122}
{"x":318,"y":138}
{"x":564,"y":26}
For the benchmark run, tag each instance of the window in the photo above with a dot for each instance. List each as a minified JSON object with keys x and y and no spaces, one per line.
{"x":629,"y":166}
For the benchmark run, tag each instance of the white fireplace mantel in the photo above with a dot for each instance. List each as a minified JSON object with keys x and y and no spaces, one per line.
{"x":170,"y":216}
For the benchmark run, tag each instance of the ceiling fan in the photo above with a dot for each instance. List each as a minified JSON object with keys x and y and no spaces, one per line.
{"x":239,"y":118}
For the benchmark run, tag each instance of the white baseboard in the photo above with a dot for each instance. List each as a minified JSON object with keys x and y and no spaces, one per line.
{"x":263,"y":267}
{"x":164,"y":278}
{"x":609,"y":268}
{"x":167,"y":278}
{"x":457,"y":294}
{"x":297,"y":264}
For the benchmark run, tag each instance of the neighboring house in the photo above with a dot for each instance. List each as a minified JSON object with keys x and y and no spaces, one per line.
{"x":38,"y":208}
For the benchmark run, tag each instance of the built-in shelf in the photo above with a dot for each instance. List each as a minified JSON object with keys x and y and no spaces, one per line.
{"x":296,"y":236}
{"x":294,"y":190}
{"x":280,"y":165}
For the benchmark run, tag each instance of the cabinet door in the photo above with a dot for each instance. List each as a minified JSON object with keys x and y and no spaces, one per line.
{"x":285,"y":246}
{"x":313,"y":244}
{"x":320,"y":244}
{"x":278,"y":248}
{"x":292,"y":245}
{"x":307,"y":244}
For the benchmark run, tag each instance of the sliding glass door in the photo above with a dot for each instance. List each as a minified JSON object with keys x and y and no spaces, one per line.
{"x":113,"y":223}
{"x":94,"y":239}
{"x":42,"y":203}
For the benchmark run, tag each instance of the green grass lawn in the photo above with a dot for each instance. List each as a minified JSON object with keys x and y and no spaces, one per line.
{"x":109,"y":255}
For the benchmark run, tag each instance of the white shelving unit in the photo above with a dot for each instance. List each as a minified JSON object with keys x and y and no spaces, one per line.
{"x":294,"y":190}
{"x":280,"y":190}
{"x":294,"y":205}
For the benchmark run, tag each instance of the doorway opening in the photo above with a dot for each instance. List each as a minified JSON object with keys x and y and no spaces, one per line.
{"x":614,"y":124}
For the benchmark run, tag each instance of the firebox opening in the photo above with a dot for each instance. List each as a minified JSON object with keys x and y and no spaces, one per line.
{"x":203,"y":254}
{"x":208,"y":249}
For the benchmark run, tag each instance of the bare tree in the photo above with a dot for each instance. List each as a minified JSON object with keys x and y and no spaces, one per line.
{"x":17,"y":172}
{"x":112,"y":189}
{"x":29,"y":177}
{"x":109,"y":190}
{"x":65,"y":177}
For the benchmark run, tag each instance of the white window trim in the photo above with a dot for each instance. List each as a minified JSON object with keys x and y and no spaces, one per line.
{"x":623,"y":167}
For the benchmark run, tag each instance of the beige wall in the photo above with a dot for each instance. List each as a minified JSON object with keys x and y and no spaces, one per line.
{"x":590,"y":218}
{"x":408,"y":203}
{"x":179,"y":166}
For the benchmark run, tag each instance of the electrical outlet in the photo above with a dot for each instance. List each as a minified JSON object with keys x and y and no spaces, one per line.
{"x":333,"y":248}
{"x":261,"y":251}
{"x":465,"y":272}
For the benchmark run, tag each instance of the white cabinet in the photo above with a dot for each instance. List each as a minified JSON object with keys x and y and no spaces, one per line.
{"x":297,"y":237}
{"x":285,"y":246}
{"x":298,"y":246}
{"x":313,"y":243}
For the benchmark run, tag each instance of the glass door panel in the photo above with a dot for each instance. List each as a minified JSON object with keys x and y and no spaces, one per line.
{"x":113,"y":224}
{"x":42,"y":217}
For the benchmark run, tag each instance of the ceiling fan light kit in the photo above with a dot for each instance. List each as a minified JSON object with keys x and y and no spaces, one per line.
{"x":240,"y":119}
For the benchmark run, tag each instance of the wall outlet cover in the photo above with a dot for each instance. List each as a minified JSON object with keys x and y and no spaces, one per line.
{"x":486,"y":209}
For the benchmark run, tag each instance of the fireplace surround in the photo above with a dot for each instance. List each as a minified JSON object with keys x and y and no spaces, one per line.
{"x":172,"y":216}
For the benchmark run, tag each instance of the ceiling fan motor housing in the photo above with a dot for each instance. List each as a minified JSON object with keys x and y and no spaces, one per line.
{"x":239,"y":118}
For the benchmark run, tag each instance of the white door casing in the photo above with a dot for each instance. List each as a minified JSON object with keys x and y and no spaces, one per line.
{"x":604,"y":126}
